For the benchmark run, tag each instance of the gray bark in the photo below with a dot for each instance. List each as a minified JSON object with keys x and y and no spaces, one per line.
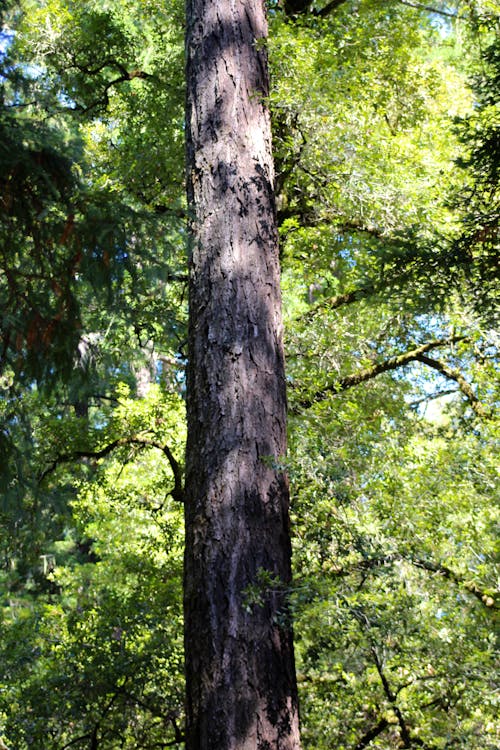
{"x":241,"y":688}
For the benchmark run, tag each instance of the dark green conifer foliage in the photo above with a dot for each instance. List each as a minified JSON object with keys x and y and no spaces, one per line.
{"x":479,"y":243}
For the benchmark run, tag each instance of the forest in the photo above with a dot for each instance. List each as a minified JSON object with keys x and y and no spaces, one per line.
{"x":385,"y":122}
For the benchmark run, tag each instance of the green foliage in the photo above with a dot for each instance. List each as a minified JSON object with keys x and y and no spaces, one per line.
{"x":74,"y":232}
{"x":395,"y":544}
{"x":99,"y":619}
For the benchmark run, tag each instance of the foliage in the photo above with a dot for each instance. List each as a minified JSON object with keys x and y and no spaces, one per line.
{"x":395,"y":544}
{"x":93,"y":632}
{"x":73,"y":235}
{"x":480,"y":198}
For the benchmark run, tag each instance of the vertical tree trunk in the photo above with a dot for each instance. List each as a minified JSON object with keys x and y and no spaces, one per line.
{"x":241,"y":689}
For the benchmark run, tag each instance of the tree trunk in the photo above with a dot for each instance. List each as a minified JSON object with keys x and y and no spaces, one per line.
{"x":241,"y":688}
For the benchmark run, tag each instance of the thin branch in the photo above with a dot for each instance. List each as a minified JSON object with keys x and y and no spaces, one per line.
{"x":329,"y":8}
{"x":299,"y":7}
{"x":423,"y":678}
{"x":486,"y":599}
{"x":92,"y":736}
{"x":408,"y":739}
{"x":369,"y":373}
{"x":456,"y":375}
{"x":177,"y":493}
{"x":428,"y":8}
{"x":76,"y":740}
{"x":104,"y":99}
{"x":75,"y":455}
{"x":442,"y":570}
{"x":371,"y":734}
{"x":112,"y":62}
{"x":391,"y":697}
{"x":177,"y":213}
{"x":434,"y":396}
{"x":354,"y":295}
{"x":124,"y":75}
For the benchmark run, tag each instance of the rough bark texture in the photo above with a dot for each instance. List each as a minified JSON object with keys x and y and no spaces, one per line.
{"x":241,"y":689}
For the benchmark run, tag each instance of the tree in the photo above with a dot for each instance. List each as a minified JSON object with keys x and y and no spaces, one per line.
{"x":241,"y":690}
{"x":391,"y":377}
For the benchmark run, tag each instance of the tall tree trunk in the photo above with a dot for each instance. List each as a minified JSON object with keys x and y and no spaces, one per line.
{"x":241,"y":688}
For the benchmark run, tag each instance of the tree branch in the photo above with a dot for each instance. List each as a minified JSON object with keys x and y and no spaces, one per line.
{"x":340,"y":300}
{"x":177,"y":492}
{"x":371,"y":734}
{"x":372,"y":563}
{"x":329,"y":8}
{"x":405,"y":734}
{"x":76,"y":740}
{"x":392,"y":363}
{"x":300,"y":7}
{"x":124,"y":75}
{"x":104,"y":100}
{"x":456,"y":375}
{"x":428,"y":8}
{"x":486,"y":599}
{"x":433,"y":396}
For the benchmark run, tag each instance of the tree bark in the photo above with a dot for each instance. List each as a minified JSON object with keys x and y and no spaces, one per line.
{"x":241,"y":687}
